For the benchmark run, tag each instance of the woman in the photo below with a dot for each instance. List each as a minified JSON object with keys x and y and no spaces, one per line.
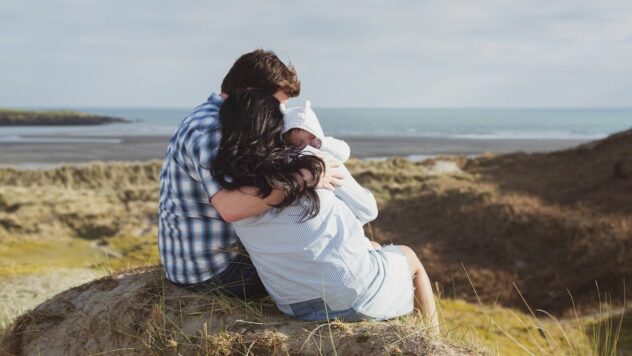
{"x":310,"y":251}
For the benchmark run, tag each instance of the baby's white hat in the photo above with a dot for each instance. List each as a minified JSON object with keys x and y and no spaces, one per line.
{"x":302,"y":118}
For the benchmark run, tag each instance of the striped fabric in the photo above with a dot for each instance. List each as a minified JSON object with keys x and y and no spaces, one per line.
{"x":192,"y":238}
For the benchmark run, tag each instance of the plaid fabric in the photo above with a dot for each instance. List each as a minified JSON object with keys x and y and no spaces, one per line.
{"x":193,"y":239}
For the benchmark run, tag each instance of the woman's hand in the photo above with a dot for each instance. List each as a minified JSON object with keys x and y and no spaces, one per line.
{"x":330,"y":179}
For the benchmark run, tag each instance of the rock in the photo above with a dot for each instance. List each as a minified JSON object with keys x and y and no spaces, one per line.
{"x":444,"y":167}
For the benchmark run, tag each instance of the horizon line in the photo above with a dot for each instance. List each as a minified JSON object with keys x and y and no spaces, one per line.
{"x":64,"y":107}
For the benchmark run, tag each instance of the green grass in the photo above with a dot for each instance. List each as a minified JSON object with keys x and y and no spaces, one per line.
{"x":506,"y":331}
{"x":607,"y":332}
{"x":35,"y":256}
{"x":135,"y":251}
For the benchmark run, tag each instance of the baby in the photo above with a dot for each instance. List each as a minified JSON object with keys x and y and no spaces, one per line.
{"x":302,"y":129}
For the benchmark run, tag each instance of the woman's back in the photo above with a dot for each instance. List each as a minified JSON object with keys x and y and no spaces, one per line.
{"x":324,"y":257}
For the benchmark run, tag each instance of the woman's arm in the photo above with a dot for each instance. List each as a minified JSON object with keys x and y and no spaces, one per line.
{"x":359,"y":199}
{"x":242,"y":203}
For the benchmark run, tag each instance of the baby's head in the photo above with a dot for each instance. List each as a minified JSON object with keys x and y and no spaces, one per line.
{"x":301,"y":127}
{"x":299,"y":138}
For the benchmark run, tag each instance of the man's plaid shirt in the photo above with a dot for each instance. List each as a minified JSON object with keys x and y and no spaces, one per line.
{"x":192,"y":237}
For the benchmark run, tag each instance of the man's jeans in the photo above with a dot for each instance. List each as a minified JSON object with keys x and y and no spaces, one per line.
{"x":239,"y":279}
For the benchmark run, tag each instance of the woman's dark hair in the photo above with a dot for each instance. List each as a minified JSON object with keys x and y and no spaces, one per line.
{"x":264,"y":70}
{"x":252,"y":152}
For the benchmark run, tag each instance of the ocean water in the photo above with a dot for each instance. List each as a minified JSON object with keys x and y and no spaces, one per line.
{"x":450,"y":123}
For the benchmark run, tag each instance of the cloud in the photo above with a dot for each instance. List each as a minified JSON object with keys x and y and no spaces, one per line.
{"x":375,"y":53}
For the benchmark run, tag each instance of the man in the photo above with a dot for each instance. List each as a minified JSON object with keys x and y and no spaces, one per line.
{"x":198,"y":247}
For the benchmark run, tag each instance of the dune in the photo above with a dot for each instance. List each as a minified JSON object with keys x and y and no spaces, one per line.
{"x":550,"y":225}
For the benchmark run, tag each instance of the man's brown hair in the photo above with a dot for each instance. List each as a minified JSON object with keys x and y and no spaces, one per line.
{"x":262,"y":70}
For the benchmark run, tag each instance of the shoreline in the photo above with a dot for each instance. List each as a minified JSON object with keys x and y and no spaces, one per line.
{"x":42,"y":150}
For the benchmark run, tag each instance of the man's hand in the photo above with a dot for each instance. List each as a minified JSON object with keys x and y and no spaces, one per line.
{"x":330,"y":179}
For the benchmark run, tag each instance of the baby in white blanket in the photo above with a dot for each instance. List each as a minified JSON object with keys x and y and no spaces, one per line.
{"x":302,"y":129}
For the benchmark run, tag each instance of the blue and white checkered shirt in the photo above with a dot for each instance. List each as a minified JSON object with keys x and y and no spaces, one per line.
{"x":192,"y":237}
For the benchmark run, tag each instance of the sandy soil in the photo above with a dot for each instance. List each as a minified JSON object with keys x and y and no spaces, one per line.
{"x":24,"y":292}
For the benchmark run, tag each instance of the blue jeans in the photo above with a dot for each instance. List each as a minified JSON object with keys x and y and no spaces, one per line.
{"x":317,"y":310}
{"x":239,"y":279}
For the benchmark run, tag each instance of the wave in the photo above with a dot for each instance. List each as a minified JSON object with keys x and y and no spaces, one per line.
{"x":492,"y":135}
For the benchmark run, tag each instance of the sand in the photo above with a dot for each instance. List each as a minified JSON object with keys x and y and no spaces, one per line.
{"x":141,"y":148}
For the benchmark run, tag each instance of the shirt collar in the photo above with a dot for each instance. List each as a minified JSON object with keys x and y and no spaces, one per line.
{"x":215,"y":99}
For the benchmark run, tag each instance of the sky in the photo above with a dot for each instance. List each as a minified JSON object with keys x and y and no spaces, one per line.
{"x":396,"y":53}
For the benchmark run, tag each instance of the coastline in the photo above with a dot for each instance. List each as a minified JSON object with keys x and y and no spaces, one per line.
{"x":17,"y":117}
{"x":46,"y":150}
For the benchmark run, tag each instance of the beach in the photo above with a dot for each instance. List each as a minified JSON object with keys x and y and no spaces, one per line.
{"x":517,"y":227}
{"x":44,"y":150}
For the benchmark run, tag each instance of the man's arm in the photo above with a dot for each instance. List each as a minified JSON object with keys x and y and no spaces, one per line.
{"x":242,"y":203}
{"x":235,"y":205}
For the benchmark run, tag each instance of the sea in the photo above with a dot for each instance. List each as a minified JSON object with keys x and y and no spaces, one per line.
{"x":474,"y":124}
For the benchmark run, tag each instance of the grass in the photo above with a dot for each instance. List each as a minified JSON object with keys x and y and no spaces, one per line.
{"x":8,"y":312}
{"x":180,"y":322}
{"x":133,"y":252}
{"x":506,"y":331}
{"x":36,"y":256}
{"x":114,"y":254}
{"x":474,"y":327}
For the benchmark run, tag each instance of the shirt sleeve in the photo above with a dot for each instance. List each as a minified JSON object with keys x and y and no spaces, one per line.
{"x":202,"y":151}
{"x":338,"y":148}
{"x":359,"y":199}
